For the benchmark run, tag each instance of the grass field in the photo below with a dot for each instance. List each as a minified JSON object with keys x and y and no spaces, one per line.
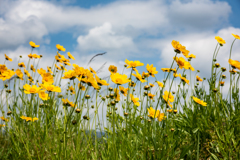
{"x":56,"y":113}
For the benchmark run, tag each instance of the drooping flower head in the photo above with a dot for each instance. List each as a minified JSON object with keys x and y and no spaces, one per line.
{"x":234,"y":63}
{"x":199,"y":101}
{"x":101,"y":82}
{"x":19,"y":74}
{"x":198,"y":79}
{"x":220,"y":40}
{"x":33,"y":45}
{"x":7,"y":58}
{"x":160,"y":84}
{"x":184,"y":79}
{"x":70,"y":56}
{"x":60,"y":48}
{"x":236,"y":36}
{"x":138,"y":76}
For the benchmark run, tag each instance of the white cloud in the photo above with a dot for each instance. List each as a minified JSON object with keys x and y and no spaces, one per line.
{"x":198,"y":15}
{"x":25,"y":20}
{"x":104,"y":38}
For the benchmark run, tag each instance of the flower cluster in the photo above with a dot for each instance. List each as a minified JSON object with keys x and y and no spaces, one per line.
{"x":27,"y":119}
{"x":155,"y":114}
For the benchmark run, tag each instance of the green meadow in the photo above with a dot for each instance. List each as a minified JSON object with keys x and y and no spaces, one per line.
{"x":55,"y":113}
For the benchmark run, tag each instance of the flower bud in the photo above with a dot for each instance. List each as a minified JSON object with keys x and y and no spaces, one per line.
{"x":146,"y":87}
{"x":78,"y":110}
{"x":217,"y":65}
{"x":87,"y":96}
{"x":74,"y":122}
{"x":223,"y":69}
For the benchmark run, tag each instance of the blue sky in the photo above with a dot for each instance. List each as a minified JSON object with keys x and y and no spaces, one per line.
{"x":125,"y":29}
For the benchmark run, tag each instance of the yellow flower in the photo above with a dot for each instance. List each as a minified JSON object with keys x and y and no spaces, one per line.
{"x":58,"y":68}
{"x":123,"y":90}
{"x":32,"y":68}
{"x":170,"y":110}
{"x":151,"y":85}
{"x":62,"y":67}
{"x":176,"y":45}
{"x":138,"y":76}
{"x":35,"y":56}
{"x":175,"y":75}
{"x":70,"y":56}
{"x":236,"y":36}
{"x":145,"y":74}
{"x":191,"y":56}
{"x":58,"y":59}
{"x":7,"y":58}
{"x":119,"y":79}
{"x":155,"y":114}
{"x":80,"y":86}
{"x":185,"y":52}
{"x":160,"y":84}
{"x":221,"y":83}
{"x":168,"y":96}
{"x":31,"y":89}
{"x":66,"y":63}
{"x":41,"y":71}
{"x":161,"y":117}
{"x":47,"y":78}
{"x":92,"y":70}
{"x":198,"y":78}
{"x":50,"y":87}
{"x":220,"y":40}
{"x":134,"y":100}
{"x":91,"y":82}
{"x":30,"y":56}
{"x":151,"y":70}
{"x":199,"y":101}
{"x":3,"y":68}
{"x":43,"y":95}
{"x":101,"y":82}
{"x":4,"y":119}
{"x":66,"y":102}
{"x":71,"y":89}
{"x":33,"y":45}
{"x":2,"y":125}
{"x":133,"y":64}
{"x":112,"y":69}
{"x":152,"y":113}
{"x":7,"y":74}
{"x":19,"y":74}
{"x":49,"y":70}
{"x":116,"y":93}
{"x":29,"y":118}
{"x":26,"y":72}
{"x":165,"y":69}
{"x":234,"y":63}
{"x":60,"y":48}
{"x":184,"y":79}
{"x":21,"y":65}
{"x":182,"y":63}
{"x":150,"y":95}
